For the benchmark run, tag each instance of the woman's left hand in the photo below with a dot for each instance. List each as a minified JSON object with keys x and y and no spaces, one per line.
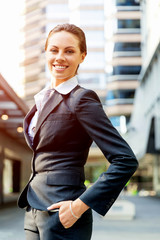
{"x":65,"y":215}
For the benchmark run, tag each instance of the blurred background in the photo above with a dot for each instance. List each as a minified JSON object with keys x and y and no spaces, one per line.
{"x":122,"y":66}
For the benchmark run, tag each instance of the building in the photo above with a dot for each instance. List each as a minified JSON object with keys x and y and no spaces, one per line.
{"x":144,"y":130}
{"x":15,"y":156}
{"x":123,"y":58}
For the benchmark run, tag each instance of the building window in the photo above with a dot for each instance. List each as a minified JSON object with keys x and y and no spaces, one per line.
{"x":128,"y":23}
{"x":120,"y":94}
{"x":127,"y":46}
{"x":126,"y":70}
{"x":127,"y":3}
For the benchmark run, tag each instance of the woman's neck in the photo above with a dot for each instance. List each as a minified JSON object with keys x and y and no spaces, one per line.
{"x":56,"y":82}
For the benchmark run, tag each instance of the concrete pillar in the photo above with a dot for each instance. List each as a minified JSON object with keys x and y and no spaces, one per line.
{"x":16,"y":151}
{"x":1,"y":174}
{"x":156,"y":174}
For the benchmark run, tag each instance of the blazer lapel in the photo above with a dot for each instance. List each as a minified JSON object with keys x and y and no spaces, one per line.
{"x":26,"y":123}
{"x":50,"y":105}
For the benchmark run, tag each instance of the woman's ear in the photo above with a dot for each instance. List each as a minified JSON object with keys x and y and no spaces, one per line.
{"x":83,"y":57}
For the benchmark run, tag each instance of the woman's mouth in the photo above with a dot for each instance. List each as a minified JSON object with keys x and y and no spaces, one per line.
{"x":60,"y":67}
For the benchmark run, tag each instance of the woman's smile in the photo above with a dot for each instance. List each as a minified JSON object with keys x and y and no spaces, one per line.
{"x":59,"y":67}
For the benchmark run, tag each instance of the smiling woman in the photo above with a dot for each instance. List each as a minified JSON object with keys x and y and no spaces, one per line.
{"x":64,"y":54}
{"x":60,"y":129}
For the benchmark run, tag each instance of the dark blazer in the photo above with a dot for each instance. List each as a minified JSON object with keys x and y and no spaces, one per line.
{"x":66,"y":128}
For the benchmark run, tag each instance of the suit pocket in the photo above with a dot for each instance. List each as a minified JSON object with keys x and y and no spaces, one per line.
{"x":59,"y":117}
{"x":63,"y":178}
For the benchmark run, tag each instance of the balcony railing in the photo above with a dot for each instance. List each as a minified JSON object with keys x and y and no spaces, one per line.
{"x":122,"y":78}
{"x":128,"y":31}
{"x":128,"y":8}
{"x":127,"y":54}
{"x":119,"y":101}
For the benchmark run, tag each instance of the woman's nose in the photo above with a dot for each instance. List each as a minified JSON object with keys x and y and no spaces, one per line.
{"x":60,"y":56}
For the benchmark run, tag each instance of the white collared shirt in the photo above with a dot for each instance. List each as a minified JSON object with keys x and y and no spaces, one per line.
{"x":63,"y":88}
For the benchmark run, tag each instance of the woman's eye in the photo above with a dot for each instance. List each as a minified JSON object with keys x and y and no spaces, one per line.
{"x":70,"y":51}
{"x":53,"y":50}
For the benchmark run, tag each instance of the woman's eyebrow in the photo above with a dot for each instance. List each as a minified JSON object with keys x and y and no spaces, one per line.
{"x":64,"y":48}
{"x":69,"y":47}
{"x":53,"y":46}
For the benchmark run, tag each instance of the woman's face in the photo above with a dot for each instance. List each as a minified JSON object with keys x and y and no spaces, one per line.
{"x":63,"y":55}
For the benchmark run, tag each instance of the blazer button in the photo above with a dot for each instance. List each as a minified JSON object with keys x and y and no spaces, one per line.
{"x":33,"y":129}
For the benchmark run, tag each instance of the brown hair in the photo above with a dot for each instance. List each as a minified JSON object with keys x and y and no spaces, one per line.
{"x":71,"y":28}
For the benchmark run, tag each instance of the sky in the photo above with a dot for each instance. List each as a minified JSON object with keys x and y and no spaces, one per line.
{"x":10,"y":24}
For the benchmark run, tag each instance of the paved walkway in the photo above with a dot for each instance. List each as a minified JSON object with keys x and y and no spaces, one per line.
{"x":146,"y":225}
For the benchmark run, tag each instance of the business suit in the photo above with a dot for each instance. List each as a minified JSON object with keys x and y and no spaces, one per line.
{"x":65,"y":130}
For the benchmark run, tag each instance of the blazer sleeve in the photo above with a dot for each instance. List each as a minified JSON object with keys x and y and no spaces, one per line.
{"x":102,"y":194}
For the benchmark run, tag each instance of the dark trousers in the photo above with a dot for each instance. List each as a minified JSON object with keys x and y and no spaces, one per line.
{"x":43,"y":225}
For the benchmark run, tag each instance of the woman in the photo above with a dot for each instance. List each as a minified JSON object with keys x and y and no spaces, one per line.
{"x":60,"y":129}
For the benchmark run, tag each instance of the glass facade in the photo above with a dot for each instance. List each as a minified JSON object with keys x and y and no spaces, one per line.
{"x":127,"y":46}
{"x":123,"y":58}
{"x":126,"y":70}
{"x":128,"y":23}
{"x":120,"y":94}
{"x":127,"y":3}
